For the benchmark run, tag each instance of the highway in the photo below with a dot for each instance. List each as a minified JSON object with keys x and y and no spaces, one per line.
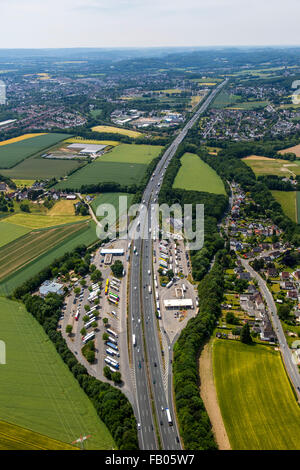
{"x":148,"y":364}
{"x":291,"y":367}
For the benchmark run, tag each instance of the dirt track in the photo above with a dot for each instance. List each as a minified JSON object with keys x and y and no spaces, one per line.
{"x":209,"y":396}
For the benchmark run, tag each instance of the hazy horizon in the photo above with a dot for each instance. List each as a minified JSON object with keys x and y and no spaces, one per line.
{"x":32,"y":24}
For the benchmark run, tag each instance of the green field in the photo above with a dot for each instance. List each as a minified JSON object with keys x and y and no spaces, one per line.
{"x":11,"y":154}
{"x":38,"y":254}
{"x":272,"y":166}
{"x":38,"y":391}
{"x":287,"y":200}
{"x":35,"y":168}
{"x":195,"y":175}
{"x":10,"y":232}
{"x":298,"y":206}
{"x":100,"y":172}
{"x":249,"y":105}
{"x":224,"y":99}
{"x":126,"y":153}
{"x":37,"y":221}
{"x":258,"y":406}
{"x":113,"y":199}
{"x":14,"y":437}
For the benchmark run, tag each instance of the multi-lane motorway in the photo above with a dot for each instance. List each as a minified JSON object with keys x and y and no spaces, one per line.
{"x":147,"y":360}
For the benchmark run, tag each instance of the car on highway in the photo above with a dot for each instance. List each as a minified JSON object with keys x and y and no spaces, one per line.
{"x":155,"y":364}
{"x":140,"y":365}
{"x":162,"y":408}
{"x":139,"y":425}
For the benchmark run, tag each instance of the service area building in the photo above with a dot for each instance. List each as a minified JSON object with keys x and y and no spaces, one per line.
{"x":173,"y":304}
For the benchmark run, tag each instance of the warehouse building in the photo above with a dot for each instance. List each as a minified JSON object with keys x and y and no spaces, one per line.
{"x":51,"y":287}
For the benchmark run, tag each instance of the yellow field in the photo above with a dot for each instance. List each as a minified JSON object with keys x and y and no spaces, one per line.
{"x":34,"y":221}
{"x":63,"y":207}
{"x":22,"y":183}
{"x":79,"y":140}
{"x":116,"y":130}
{"x":295,"y":150}
{"x":170,"y":91}
{"x":258,"y":157}
{"x":20,"y":138}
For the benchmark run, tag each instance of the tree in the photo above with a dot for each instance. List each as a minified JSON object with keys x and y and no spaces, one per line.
{"x":90,"y":356}
{"x":170,"y":274}
{"x":87,"y":308}
{"x":24,"y":206}
{"x":96,"y":275}
{"x":83,"y":331}
{"x":77,"y":290}
{"x":69,"y":329}
{"x":116,"y":377}
{"x":231,"y":319}
{"x":105,"y":337}
{"x":105,"y":320}
{"x":245,"y":334}
{"x":85,"y":318}
{"x":283,"y":312}
{"x":94,"y":324}
{"x":117,"y":268}
{"x":107,"y":372}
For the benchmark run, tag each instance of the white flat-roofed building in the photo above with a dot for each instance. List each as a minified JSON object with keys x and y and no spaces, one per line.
{"x":112,"y":251}
{"x":88,"y":149}
{"x":178,"y":303}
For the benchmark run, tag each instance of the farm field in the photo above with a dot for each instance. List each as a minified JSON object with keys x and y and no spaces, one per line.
{"x":10,"y":232}
{"x":23,"y":183}
{"x":249,"y":105}
{"x":99,"y":172}
{"x":36,"y":221}
{"x":272,"y":166}
{"x":35,"y":168}
{"x":298,"y":206}
{"x":195,"y":175}
{"x":225,"y":99}
{"x":111,"y":198}
{"x":79,"y":140}
{"x":14,"y":437}
{"x":287,"y":200}
{"x":13,"y":153}
{"x":23,"y":269}
{"x":126,"y":153}
{"x":38,"y":391}
{"x":63,"y":207}
{"x":258,"y":406}
{"x":116,"y":130}
{"x":20,"y":138}
{"x":295,"y":149}
{"x":23,"y":250}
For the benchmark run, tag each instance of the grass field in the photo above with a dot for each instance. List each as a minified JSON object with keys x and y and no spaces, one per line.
{"x":287,"y":200}
{"x":126,"y":153}
{"x":22,"y":251}
{"x":196,"y":175}
{"x":249,"y":105}
{"x":298,"y":206}
{"x":15,"y":152}
{"x":256,"y":400}
{"x":224,"y":99}
{"x":22,"y":183}
{"x":35,"y":168}
{"x":272,"y":166}
{"x":38,"y":391}
{"x":99,"y":172}
{"x":111,"y":198}
{"x":116,"y":130}
{"x":10,"y":232}
{"x":36,"y":221}
{"x":14,"y":437}
{"x":47,"y":254}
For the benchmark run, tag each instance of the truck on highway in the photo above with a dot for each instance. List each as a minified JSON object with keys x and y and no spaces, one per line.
{"x":149,"y":289}
{"x":170,"y":422}
{"x":133,"y":340}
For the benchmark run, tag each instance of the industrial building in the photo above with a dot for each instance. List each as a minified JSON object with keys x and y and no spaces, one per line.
{"x":112,"y":251}
{"x":178,"y":303}
{"x":51,"y":287}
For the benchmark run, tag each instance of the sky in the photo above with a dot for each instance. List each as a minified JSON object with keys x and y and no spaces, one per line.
{"x":147,"y":23}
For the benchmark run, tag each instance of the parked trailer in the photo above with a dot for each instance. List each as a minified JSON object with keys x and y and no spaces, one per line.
{"x":108,"y":361}
{"x":112,"y":360}
{"x":163,"y":256}
{"x":115,"y":288}
{"x":112,"y":345}
{"x":114,"y":313}
{"x":133,"y":340}
{"x":89,"y":323}
{"x":113,"y":340}
{"x":112,"y":352}
{"x":169,"y":284}
{"x":88,"y":337}
{"x":77,"y":315}
{"x":112,"y":332}
{"x":155,"y":283}
{"x":112,"y":294}
{"x":183,"y":288}
{"x":116,"y":280}
{"x":169,"y":417}
{"x":157,"y":305}
{"x":113,"y":300}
